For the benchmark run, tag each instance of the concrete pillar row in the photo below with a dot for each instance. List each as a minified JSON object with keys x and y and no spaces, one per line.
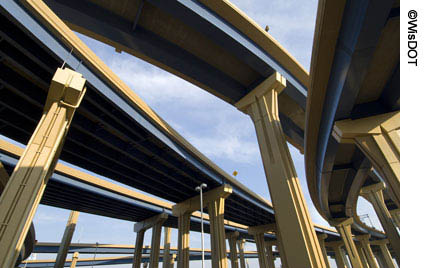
{"x":74,"y":260}
{"x":155,"y":222}
{"x":378,"y":137}
{"x":343,"y":226}
{"x":24,"y":190}
{"x":298,"y":244}
{"x":241,"y":244}
{"x":321,"y":240}
{"x":66,"y":239}
{"x":384,"y":250}
{"x":374,"y":194}
{"x":364,"y":240}
{"x":232,"y":242}
{"x":214,"y":200}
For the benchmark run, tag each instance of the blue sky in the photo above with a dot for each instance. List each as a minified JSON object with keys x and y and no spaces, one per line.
{"x":216,"y":128}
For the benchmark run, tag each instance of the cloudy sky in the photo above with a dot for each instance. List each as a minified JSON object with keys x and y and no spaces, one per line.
{"x":216,"y":128}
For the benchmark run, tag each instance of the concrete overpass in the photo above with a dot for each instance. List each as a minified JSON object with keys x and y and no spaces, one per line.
{"x":353,"y":106}
{"x":115,"y":134}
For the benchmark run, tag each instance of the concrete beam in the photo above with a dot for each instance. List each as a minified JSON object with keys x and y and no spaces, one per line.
{"x":149,"y":223}
{"x":25,"y":188}
{"x":193,"y":204}
{"x":262,"y":229}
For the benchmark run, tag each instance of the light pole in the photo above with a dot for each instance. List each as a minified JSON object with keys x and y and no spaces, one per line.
{"x":200,"y":189}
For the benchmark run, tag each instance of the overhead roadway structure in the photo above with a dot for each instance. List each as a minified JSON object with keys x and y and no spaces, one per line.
{"x":355,"y":72}
{"x":75,"y":190}
{"x":113,"y":133}
{"x":211,"y":44}
{"x":72,"y":189}
{"x":116,"y":135}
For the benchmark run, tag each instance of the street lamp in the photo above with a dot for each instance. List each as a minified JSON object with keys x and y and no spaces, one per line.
{"x":200,"y":189}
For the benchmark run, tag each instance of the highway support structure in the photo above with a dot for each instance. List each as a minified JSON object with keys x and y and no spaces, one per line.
{"x":321,"y":240}
{"x":385,"y":258}
{"x":232,"y":238}
{"x":297,"y":241}
{"x":214,"y":200}
{"x":156,"y":223}
{"x":361,"y":254}
{"x":343,"y":226}
{"x":25,"y":188}
{"x":364,"y":241}
{"x":395,"y":216}
{"x":74,"y":260}
{"x":374,"y":194}
{"x":378,"y":137}
{"x":66,"y":239}
{"x":339,"y":255}
{"x":258,"y":233}
{"x":241,"y":243}
{"x":167,"y":258}
{"x":269,"y":252}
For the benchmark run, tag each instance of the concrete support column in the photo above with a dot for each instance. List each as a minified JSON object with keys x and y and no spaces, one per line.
{"x":232,"y":241}
{"x":343,"y":226}
{"x":25,"y":188}
{"x":215,"y":202}
{"x":362,"y":256}
{"x":260,"y":246}
{"x":140,"y":228}
{"x":183,"y":240}
{"x":365,"y":244}
{"x":374,"y":194}
{"x":66,"y":239}
{"x":378,"y":138}
{"x":395,"y":216}
{"x":154,"y":257}
{"x":258,"y":233}
{"x":270,"y":254}
{"x":74,"y":260}
{"x":216,"y":210}
{"x":298,"y":244}
{"x":137,"y":256}
{"x":386,"y":256}
{"x":321,"y":240}
{"x":339,"y":256}
{"x":241,"y":244}
{"x":166,"y":252}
